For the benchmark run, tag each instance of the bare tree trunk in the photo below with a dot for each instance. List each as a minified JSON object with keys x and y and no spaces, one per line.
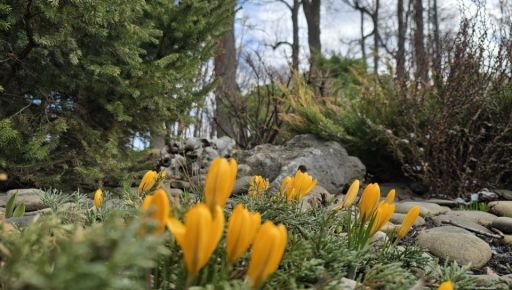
{"x":225,"y":70}
{"x":419,"y":44}
{"x":400,"y":54}
{"x":437,"y":40}
{"x":312,"y":13}
{"x":295,"y":43}
{"x":363,"y":38}
{"x":376,"y":37}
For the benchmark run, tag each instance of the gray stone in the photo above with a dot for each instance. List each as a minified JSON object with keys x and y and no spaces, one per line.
{"x":426,"y":208}
{"x":505,"y":194}
{"x":22,"y":221}
{"x":31,"y":197}
{"x":243,"y":170}
{"x":460,"y":221}
{"x":453,"y":243}
{"x":327,"y":161}
{"x":398,"y":218}
{"x":241,"y":185}
{"x":479,"y":217}
{"x":501,"y":208}
{"x":175,"y":192}
{"x":346,"y":284}
{"x":443,"y":202}
{"x":494,"y":281}
{"x":224,"y":145}
{"x":486,"y":195}
{"x":40,"y":211}
{"x":504,"y":224}
{"x":401,"y":189}
{"x":316,"y":198}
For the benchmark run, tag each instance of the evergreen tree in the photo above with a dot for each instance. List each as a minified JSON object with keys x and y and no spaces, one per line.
{"x":78,"y":79}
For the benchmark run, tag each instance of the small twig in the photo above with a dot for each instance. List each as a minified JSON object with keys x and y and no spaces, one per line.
{"x":449,"y":222}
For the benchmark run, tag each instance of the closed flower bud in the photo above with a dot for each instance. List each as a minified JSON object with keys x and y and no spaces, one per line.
{"x":219,"y":182}
{"x":351,"y":195}
{"x":369,"y":202}
{"x":390,"y":197}
{"x":199,"y":236}
{"x":157,"y":207}
{"x":409,"y":220}
{"x":98,"y":198}
{"x":147,"y":182}
{"x":242,"y":228}
{"x":267,"y":251}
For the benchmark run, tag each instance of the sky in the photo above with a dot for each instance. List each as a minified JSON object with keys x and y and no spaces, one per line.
{"x":261,"y":23}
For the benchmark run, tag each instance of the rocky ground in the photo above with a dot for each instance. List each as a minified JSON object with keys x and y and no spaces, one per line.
{"x":469,"y":237}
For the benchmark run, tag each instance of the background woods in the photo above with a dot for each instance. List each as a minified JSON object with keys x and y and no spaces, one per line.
{"x":416,"y":89}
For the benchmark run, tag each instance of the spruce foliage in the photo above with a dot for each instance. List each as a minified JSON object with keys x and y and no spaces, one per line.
{"x":78,"y":79}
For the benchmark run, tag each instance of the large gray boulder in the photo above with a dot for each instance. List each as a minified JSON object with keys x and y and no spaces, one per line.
{"x":327,"y":161}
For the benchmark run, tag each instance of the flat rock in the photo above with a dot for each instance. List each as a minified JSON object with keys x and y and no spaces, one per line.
{"x":31,"y":197}
{"x":505,"y":194}
{"x":453,"y":243}
{"x":426,"y":208}
{"x":480,"y":217}
{"x":443,"y":202}
{"x":504,"y":224}
{"x":398,"y":218}
{"x":507,"y":240}
{"x":502,"y":207}
{"x":461,"y":221}
{"x":21,"y":221}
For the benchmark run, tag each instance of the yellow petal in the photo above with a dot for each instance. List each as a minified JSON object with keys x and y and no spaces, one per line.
{"x":98,"y":198}
{"x":219,"y":182}
{"x":267,"y":252}
{"x":177,"y":229}
{"x":198,"y":222}
{"x":147,"y":182}
{"x":216,"y":229}
{"x":383,"y":215}
{"x":243,"y":226}
{"x":351,"y":195}
{"x":409,"y":220}
{"x":278,"y":251}
{"x":369,"y":201}
{"x":390,"y":197}
{"x":447,"y":285}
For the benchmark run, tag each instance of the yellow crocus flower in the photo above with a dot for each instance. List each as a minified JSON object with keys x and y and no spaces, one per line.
{"x":351,"y":195}
{"x":390,"y":197}
{"x":219,"y":182}
{"x":158,"y":209}
{"x":258,"y":185}
{"x":199,"y":236}
{"x":267,"y":251}
{"x":298,"y":186}
{"x":242,"y":228}
{"x":369,"y":202}
{"x":382,"y":216}
{"x":147,"y":182}
{"x":446,"y":285}
{"x":98,"y":198}
{"x":409,"y":220}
